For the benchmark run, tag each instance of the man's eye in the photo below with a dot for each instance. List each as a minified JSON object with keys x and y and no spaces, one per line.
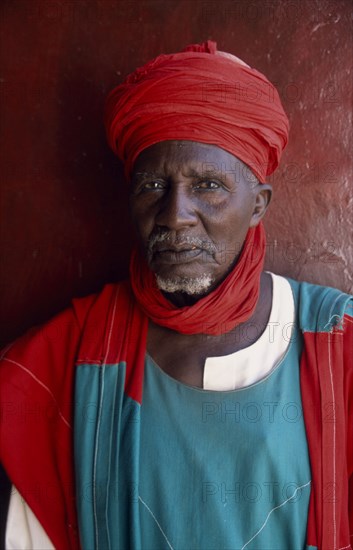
{"x":207,"y":184}
{"x":151,"y":185}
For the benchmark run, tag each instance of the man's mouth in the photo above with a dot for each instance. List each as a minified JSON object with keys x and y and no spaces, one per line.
{"x":164,"y":248}
{"x":176,"y":254}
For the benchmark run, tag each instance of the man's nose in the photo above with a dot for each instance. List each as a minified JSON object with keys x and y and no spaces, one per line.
{"x":177,"y":210}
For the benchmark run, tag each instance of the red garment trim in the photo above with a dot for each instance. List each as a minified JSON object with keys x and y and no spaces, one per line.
{"x":121,"y":338}
{"x":322,"y":379}
{"x":36,"y":423}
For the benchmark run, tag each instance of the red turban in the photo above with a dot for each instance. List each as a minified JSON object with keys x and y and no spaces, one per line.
{"x":198,"y":95}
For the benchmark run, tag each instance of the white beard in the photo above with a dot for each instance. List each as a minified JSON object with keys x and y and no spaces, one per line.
{"x":187,"y":285}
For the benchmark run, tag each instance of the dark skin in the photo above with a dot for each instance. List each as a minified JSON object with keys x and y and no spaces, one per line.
{"x":193,"y":190}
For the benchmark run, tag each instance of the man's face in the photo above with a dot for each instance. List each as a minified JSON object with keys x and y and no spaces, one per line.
{"x":192,"y":205}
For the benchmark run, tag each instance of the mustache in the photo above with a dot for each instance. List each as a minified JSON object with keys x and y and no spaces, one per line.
{"x":170,"y":238}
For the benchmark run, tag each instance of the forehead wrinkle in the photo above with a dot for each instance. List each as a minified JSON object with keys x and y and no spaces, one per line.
{"x":191,"y":166}
{"x":192,"y":160}
{"x":167,"y":173}
{"x":147,"y":174}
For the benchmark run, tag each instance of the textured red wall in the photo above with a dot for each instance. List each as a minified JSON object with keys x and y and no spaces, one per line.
{"x":63,"y":210}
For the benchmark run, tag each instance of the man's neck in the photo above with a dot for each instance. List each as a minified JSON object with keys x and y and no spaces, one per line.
{"x":183,"y":356}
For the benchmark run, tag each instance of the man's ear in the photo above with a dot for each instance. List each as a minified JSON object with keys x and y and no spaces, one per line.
{"x":263,"y":194}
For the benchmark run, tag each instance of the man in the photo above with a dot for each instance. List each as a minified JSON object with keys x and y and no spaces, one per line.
{"x":169,"y":407}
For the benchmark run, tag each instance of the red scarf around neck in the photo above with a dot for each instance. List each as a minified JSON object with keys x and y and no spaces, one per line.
{"x":228,"y":305}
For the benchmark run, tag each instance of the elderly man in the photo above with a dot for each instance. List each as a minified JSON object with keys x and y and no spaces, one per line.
{"x":169,"y":407}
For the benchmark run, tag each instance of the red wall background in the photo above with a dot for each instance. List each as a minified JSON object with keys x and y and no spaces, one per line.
{"x":64,"y":220}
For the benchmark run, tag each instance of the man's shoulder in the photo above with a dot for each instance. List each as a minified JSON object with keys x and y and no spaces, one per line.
{"x":320,"y":308}
{"x":99,"y":303}
{"x":65,"y":330}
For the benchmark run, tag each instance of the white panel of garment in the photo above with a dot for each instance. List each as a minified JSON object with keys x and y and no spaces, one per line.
{"x":249,"y":365}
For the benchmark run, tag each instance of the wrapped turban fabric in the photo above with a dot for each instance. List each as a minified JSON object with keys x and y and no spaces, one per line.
{"x":210,"y":97}
{"x":199,"y":95}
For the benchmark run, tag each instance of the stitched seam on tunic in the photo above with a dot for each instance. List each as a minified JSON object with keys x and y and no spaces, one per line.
{"x":334,"y":448}
{"x":273,"y":509}
{"x":5,"y":350}
{"x":336,"y":315}
{"x":101,"y":375}
{"x":99,"y":424}
{"x":335,"y":302}
{"x":155,"y":519}
{"x":330,"y":321}
{"x":323,"y":332}
{"x":109,"y":468}
{"x":43,"y":386}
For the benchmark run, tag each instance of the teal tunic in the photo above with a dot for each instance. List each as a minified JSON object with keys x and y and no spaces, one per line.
{"x":224,"y":470}
{"x":192,"y":468}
